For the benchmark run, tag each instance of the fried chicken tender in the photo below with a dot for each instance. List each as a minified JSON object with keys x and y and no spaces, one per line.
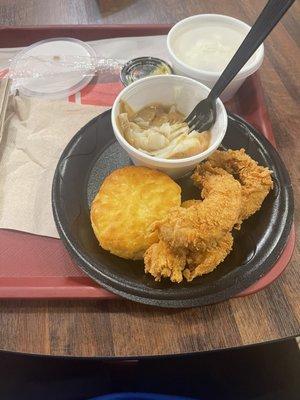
{"x":161,"y":261}
{"x":197,"y":226}
{"x":189,"y":203}
{"x":195,"y":238}
{"x":203,"y":262}
{"x":129,"y":201}
{"x":256,"y":180}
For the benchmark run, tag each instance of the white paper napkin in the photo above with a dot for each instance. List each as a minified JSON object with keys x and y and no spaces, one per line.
{"x":35,"y":134}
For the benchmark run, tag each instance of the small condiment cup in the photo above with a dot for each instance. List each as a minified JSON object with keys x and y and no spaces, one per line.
{"x":209,"y":78}
{"x":183,"y":92}
{"x":141,"y":67}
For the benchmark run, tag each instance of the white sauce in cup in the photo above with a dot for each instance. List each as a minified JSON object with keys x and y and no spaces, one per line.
{"x":209,"y":46}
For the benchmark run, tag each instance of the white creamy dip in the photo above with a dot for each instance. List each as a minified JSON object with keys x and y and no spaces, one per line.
{"x":209,"y":46}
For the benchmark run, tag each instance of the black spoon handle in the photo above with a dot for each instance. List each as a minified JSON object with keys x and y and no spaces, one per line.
{"x":268,"y":18}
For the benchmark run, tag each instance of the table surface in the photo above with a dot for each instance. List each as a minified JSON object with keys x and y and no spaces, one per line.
{"x":122,"y":328}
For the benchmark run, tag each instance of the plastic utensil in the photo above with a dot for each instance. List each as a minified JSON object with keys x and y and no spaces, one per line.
{"x":204,"y":114}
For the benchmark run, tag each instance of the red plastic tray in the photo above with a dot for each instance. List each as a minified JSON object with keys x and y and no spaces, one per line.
{"x":40,"y":267}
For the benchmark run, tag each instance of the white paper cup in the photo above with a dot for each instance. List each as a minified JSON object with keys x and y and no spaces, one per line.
{"x":209,"y":78}
{"x":185,"y":93}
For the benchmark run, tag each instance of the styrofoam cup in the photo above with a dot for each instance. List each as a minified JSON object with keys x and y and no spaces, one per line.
{"x":185,"y":93}
{"x":209,"y":78}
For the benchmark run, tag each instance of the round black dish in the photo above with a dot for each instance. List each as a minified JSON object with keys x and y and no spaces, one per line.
{"x":93,"y":153}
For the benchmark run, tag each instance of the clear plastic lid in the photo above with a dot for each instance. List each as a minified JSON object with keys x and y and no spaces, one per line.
{"x":54,"y":78}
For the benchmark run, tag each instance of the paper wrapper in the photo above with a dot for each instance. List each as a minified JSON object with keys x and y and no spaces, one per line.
{"x":36,"y":132}
{"x":4,"y":96}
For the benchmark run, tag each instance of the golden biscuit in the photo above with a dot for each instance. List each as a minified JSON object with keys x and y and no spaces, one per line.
{"x":129,"y":201}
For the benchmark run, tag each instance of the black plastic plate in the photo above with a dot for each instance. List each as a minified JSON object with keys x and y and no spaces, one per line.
{"x":93,"y":153}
